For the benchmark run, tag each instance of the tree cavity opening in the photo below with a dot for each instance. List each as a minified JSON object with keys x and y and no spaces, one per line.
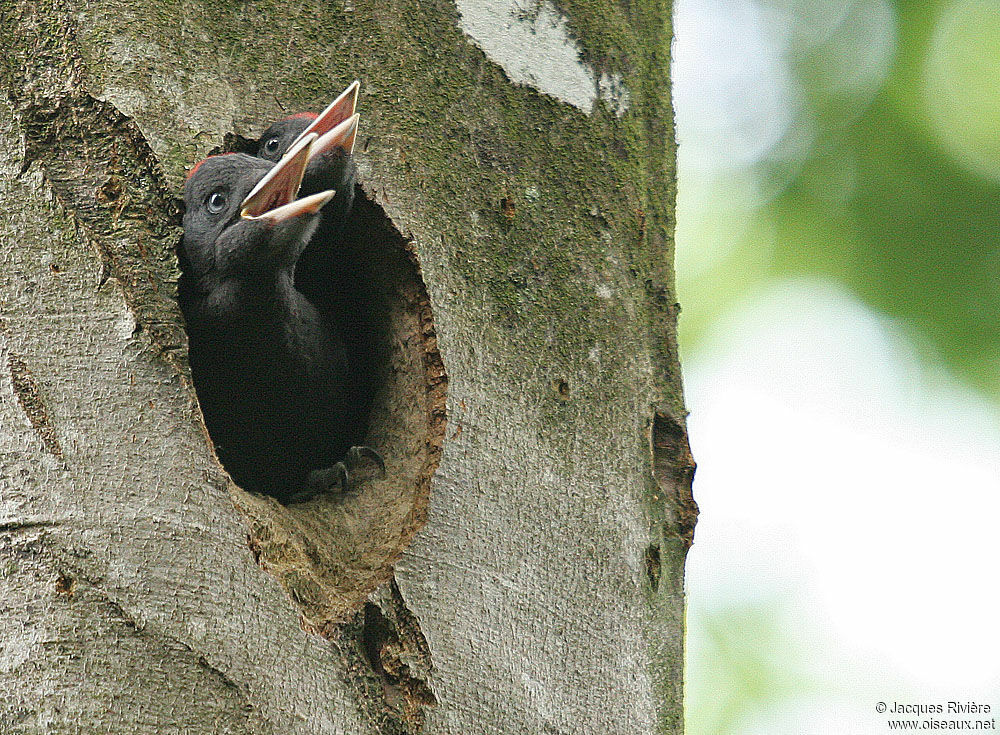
{"x":332,"y":550}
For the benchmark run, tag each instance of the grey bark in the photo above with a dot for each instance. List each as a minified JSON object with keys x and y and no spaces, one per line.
{"x":521,"y":571}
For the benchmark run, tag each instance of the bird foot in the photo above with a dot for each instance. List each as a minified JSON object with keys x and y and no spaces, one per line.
{"x":339,"y":476}
{"x":356,"y":455}
{"x":328,"y":478}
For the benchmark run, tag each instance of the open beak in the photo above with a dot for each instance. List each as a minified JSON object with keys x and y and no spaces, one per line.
{"x":306,"y":205}
{"x":273,"y":199}
{"x":336,"y":113}
{"x":342,"y":136}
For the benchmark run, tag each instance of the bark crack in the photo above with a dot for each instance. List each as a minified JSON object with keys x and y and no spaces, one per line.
{"x":101,"y":170}
{"x":673,"y":469}
{"x":29,"y":398}
{"x":68,"y":583}
{"x":13,"y":526}
{"x":389,"y":661}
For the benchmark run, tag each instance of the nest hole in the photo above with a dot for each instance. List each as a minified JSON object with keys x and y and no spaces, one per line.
{"x":332,"y":550}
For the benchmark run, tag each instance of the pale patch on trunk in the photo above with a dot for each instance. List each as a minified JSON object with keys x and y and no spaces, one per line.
{"x":531,"y":42}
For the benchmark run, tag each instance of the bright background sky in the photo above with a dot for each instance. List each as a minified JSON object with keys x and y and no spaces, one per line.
{"x":841,"y":358}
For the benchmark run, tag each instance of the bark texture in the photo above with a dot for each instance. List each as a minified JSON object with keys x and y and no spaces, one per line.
{"x":521,"y":570}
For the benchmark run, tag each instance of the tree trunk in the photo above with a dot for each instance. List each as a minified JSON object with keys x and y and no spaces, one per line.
{"x":520,"y":569}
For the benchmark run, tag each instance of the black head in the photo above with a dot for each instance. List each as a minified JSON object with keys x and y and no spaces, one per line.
{"x":225,"y":238}
{"x":278,"y":138}
{"x":331,"y":165}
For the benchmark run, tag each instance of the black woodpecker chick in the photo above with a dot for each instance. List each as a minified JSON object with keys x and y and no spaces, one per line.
{"x":271,"y":375}
{"x":332,"y":169}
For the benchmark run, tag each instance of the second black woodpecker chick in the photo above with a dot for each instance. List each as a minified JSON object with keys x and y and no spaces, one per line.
{"x":332,"y":169}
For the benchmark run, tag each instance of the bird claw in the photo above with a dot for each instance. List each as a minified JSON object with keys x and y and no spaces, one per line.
{"x":360,"y":453}
{"x":324,"y":480}
{"x":339,"y":475}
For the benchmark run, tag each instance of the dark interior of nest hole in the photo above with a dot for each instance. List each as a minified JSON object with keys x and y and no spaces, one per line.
{"x":364,"y":298}
{"x":373,"y":294}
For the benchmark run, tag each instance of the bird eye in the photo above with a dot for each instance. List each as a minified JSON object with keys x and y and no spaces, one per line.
{"x":216,"y":202}
{"x":271,"y":146}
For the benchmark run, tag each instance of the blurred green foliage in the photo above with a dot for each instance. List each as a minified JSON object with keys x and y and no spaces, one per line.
{"x":746,"y":663}
{"x":895,"y":193}
{"x":885,"y":180}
